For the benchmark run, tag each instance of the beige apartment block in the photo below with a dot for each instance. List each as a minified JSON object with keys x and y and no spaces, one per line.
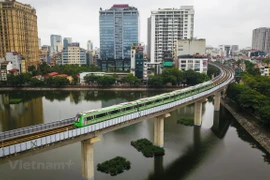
{"x":18,"y":31}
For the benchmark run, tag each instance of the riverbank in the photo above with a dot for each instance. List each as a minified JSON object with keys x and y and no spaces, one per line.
{"x":251,"y":126}
{"x":86,"y":88}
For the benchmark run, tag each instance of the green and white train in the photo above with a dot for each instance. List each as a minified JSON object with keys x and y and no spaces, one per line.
{"x":102,"y":115}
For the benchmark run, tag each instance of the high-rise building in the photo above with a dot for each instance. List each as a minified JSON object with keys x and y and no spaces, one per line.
{"x":18,"y":31}
{"x":54,"y":40}
{"x":45,"y":53}
{"x":167,"y":26}
{"x":65,"y":43}
{"x":261,"y":39}
{"x":137,"y":61}
{"x":119,"y":29}
{"x":69,"y":39}
{"x":149,"y":38}
{"x":234,"y":48}
{"x":59,"y":46}
{"x":39,"y":43}
{"x":190,"y":47}
{"x":74,"y":54}
{"x":89,"y":45}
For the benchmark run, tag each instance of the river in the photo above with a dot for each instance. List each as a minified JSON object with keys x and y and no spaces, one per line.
{"x":219,"y":149}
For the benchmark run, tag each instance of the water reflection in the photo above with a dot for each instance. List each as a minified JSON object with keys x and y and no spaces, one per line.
{"x":31,"y":112}
{"x":207,"y":152}
{"x":194,"y":154}
{"x":221,"y":124}
{"x":22,"y":114}
{"x":249,"y":139}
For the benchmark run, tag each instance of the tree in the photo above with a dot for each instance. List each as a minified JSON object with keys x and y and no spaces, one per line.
{"x":212,"y":70}
{"x":75,"y":79}
{"x":131,"y":80}
{"x":192,"y":78}
{"x":265,"y":114}
{"x":106,"y":81}
{"x":31,"y":68}
{"x":49,"y":81}
{"x":36,"y":82}
{"x":172,"y":75}
{"x":266,"y":60}
{"x":251,"y":70}
{"x":155,"y":81}
{"x":91,"y":79}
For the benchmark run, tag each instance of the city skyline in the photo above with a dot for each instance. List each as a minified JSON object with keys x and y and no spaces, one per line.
{"x":219,"y":22}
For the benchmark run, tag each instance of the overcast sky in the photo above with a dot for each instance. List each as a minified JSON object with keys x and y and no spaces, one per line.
{"x":219,"y":21}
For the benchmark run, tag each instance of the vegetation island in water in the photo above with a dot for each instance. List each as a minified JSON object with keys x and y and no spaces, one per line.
{"x":147,"y":148}
{"x":186,"y":121}
{"x":114,"y":166}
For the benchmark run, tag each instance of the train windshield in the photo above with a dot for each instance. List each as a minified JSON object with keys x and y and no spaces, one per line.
{"x":77,"y":117}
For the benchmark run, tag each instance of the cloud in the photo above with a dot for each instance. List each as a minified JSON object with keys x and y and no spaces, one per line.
{"x":219,"y":21}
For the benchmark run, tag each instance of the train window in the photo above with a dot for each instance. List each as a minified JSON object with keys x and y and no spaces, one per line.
{"x":77,"y":118}
{"x":148,"y":103}
{"x":129,"y":108}
{"x":116,"y":111}
{"x":90,"y":118}
{"x":141,"y":105}
{"x":100,"y":115}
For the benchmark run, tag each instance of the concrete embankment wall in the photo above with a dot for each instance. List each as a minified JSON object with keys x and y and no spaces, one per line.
{"x":260,"y":137}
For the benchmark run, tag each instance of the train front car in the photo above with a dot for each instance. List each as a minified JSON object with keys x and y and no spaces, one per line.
{"x":78,"y":121}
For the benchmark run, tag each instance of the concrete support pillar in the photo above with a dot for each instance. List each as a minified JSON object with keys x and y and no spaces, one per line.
{"x":217,"y":101}
{"x":88,"y":159}
{"x":224,"y":94}
{"x":198,"y":113}
{"x":159,"y":130}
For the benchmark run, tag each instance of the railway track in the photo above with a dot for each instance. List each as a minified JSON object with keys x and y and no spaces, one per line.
{"x":35,"y":135}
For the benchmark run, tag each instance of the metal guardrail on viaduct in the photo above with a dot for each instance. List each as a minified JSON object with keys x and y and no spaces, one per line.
{"x":23,"y":140}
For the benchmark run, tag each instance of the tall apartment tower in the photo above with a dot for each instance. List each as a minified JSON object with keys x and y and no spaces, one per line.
{"x":55,"y":39}
{"x":18,"y":31}
{"x":167,"y":26}
{"x":261,"y":39}
{"x":89,"y":45}
{"x":119,"y":29}
{"x":39,"y":43}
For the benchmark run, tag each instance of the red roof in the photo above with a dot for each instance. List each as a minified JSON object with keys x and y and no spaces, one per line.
{"x":51,"y":74}
{"x":13,"y":70}
{"x":62,"y":75}
{"x":119,"y":6}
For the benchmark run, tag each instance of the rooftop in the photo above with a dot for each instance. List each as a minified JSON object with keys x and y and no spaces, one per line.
{"x":195,"y":56}
{"x":120,"y":6}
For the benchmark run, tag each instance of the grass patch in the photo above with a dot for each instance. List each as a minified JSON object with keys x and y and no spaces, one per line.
{"x":147,"y":148}
{"x":15,"y":101}
{"x":186,"y":121}
{"x":114,"y":166}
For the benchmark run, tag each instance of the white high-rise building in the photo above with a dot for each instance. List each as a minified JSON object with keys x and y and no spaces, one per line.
{"x":166,"y":26}
{"x":59,"y":46}
{"x":261,"y":39}
{"x":89,"y":45}
{"x":54,"y":40}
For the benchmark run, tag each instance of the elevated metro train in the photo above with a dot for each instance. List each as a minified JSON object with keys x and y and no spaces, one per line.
{"x":96,"y":116}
